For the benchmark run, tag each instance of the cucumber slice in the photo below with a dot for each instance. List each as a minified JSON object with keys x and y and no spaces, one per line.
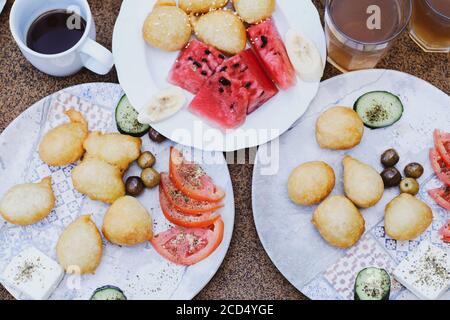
{"x":127,"y":119}
{"x":108,"y":293}
{"x":379,"y":109}
{"x":372,"y":284}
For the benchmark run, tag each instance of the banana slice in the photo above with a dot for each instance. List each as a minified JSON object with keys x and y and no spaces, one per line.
{"x":305,"y":56}
{"x":162,"y":106}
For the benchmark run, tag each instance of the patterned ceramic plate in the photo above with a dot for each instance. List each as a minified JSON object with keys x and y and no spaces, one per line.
{"x":303,"y":257}
{"x":139,"y":271}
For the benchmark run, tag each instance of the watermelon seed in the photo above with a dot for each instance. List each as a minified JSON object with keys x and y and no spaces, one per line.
{"x":204,"y":73}
{"x":223,"y":69}
{"x":236,"y":65}
{"x":264,"y":41}
{"x":221,"y":90}
{"x":221,"y":56}
{"x":191,"y":59}
{"x":248,"y":85}
{"x":225,"y":81}
{"x":207,"y":52}
{"x":204,"y":60}
{"x":197,"y":64}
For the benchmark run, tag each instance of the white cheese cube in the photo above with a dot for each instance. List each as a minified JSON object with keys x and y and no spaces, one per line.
{"x":425,"y":272}
{"x":33,"y":273}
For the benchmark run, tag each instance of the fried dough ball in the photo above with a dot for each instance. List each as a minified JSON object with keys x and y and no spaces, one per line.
{"x":28,"y":203}
{"x":406,"y":217}
{"x":201,"y":6}
{"x":223,"y":30}
{"x":98,"y":180}
{"x":339,"y":222}
{"x":167,"y":28}
{"x":362,"y":183}
{"x":64,"y":144}
{"x":311,"y":182}
{"x":80,"y":246}
{"x":339,"y":128}
{"x":115,"y":148}
{"x":127,"y":223}
{"x":252,"y":11}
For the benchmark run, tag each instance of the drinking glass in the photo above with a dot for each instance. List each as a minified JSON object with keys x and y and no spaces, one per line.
{"x":359,"y":33}
{"x":430,"y":25}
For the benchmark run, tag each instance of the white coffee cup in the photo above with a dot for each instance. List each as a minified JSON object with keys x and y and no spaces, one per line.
{"x":85,"y":53}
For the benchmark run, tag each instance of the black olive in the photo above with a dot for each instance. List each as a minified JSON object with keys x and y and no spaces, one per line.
{"x":391,"y":177}
{"x":390,"y":158}
{"x":156,"y":136}
{"x":134,"y":186}
{"x":414,"y":170}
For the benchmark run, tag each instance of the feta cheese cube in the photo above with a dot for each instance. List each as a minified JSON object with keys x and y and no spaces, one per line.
{"x":33,"y":273}
{"x":425,"y":272}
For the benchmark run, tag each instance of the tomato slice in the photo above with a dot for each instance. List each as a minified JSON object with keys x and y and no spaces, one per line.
{"x":188,"y":221}
{"x":183,"y":203}
{"x":442,"y":143}
{"x":439,"y":167}
{"x":441,"y":196}
{"x":444,"y":232}
{"x":190,"y":179}
{"x":188,"y":246}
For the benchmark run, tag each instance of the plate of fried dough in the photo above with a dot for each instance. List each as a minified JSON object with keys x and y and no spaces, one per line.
{"x":65,"y":194}
{"x":147,"y":40}
{"x":325,"y":205}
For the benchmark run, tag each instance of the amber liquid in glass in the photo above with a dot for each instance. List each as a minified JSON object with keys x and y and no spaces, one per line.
{"x":430,"y":24}
{"x":352,"y":45}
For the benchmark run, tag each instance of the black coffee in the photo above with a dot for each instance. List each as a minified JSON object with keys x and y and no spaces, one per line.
{"x":55,"y":31}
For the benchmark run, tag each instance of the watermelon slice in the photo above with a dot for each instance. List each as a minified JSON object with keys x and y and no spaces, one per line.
{"x":246,"y":68}
{"x":196,"y":63}
{"x":270,"y":49}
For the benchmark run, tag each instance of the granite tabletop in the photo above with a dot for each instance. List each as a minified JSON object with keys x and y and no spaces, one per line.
{"x":247,"y":272}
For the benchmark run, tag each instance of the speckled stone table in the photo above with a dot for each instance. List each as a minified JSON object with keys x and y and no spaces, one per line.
{"x":247,"y":272}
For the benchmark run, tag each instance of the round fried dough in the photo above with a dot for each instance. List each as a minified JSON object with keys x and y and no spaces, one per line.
{"x":252,"y":11}
{"x":80,"y":246}
{"x":339,"y":128}
{"x":201,"y":6}
{"x":311,"y":182}
{"x":64,"y":144}
{"x":339,"y":222}
{"x":167,"y":28}
{"x":28,"y":203}
{"x":223,"y":30}
{"x":127,"y":223}
{"x":406,"y":217}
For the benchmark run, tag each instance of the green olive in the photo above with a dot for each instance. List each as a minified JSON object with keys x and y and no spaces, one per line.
{"x":150,"y":177}
{"x":409,"y":185}
{"x":390,"y":158}
{"x":414,"y":170}
{"x":391,"y":177}
{"x":134,"y":186}
{"x":146,"y":160}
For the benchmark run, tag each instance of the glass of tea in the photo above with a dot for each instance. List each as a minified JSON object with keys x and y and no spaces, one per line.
{"x":430,"y":25}
{"x":359,"y":33}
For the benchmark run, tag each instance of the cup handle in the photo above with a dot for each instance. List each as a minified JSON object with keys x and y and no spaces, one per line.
{"x":100,"y":60}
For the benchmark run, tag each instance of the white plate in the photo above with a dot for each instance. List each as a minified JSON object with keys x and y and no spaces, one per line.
{"x":139,"y":271}
{"x":296,"y":248}
{"x":143,"y":71}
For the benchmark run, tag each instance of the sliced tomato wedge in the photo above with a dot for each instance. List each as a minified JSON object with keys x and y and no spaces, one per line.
{"x":439,"y":167}
{"x":442,"y":143}
{"x":183,"y":203}
{"x":188,"y":221}
{"x":441,"y":196}
{"x":444,"y":232}
{"x":188,"y":246}
{"x":191,"y":179}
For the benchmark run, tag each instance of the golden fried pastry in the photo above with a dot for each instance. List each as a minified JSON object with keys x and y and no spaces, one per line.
{"x":223,"y":30}
{"x":115,"y":148}
{"x":64,"y":144}
{"x":406,"y":217}
{"x":127,"y":223}
{"x":80,"y":246}
{"x":98,"y":180}
{"x":310,"y":183}
{"x":165,"y":3}
{"x":339,"y":128}
{"x":362,"y":183}
{"x":339,"y":222}
{"x":167,"y":28}
{"x":201,"y":6}
{"x":28,"y":203}
{"x":253,"y":11}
